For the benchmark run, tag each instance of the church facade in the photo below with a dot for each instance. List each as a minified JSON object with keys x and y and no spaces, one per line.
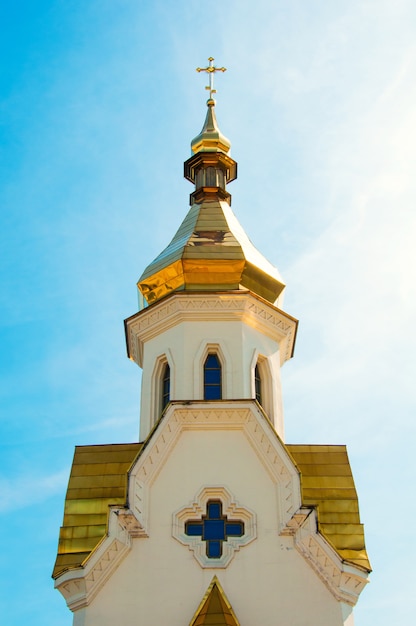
{"x":211,"y":518}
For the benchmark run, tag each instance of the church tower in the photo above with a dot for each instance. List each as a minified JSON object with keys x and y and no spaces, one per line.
{"x":211,"y":518}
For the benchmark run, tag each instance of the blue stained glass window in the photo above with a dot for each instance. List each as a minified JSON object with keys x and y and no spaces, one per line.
{"x":235,"y":529}
{"x":214,"y":549}
{"x":214,"y":510}
{"x":194,"y":530}
{"x":214,"y":528}
{"x":212,"y":378}
{"x":257,"y":382}
{"x":165,"y":385}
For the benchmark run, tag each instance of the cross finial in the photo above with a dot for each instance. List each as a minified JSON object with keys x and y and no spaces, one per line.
{"x":211,"y":69}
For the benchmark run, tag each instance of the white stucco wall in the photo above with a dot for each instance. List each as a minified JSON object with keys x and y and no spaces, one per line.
{"x":160,"y":582}
{"x":185,"y":345}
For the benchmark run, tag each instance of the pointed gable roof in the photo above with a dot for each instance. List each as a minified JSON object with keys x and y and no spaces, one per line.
{"x":215,"y":608}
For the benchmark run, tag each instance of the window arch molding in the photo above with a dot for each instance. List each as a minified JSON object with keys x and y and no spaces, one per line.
{"x":219,"y":349}
{"x":261,"y":364}
{"x":156,"y":402}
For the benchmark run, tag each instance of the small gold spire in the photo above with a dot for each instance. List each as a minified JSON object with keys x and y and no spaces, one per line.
{"x":210,"y":139}
{"x":211,"y":69}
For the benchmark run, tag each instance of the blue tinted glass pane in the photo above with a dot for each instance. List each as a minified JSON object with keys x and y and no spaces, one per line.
{"x":212,"y":392}
{"x":212,"y":377}
{"x":166,"y":391}
{"x":257,"y":380}
{"x":193,"y":530}
{"x":234,"y":529}
{"x":214,"y":549}
{"x":214,"y":510}
{"x":166,"y":386}
{"x":214,"y":529}
{"x":212,"y":361}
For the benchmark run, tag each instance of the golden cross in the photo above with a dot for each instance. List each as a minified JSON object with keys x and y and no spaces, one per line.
{"x":211,"y":69}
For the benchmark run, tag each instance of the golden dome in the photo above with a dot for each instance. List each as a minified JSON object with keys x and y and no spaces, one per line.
{"x":210,"y":251}
{"x":210,"y":139}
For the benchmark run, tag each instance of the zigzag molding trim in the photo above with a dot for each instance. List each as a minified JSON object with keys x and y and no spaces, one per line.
{"x":80,"y":586}
{"x":244,"y":416}
{"x":345,"y":582}
{"x":182,"y":307}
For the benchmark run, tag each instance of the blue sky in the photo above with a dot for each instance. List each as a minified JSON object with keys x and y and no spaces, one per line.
{"x":99,"y":102}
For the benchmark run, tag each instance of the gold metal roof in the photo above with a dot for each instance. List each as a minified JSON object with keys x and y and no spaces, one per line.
{"x":328,"y":485}
{"x":98,"y":480}
{"x":210,"y":251}
{"x":215,"y":608}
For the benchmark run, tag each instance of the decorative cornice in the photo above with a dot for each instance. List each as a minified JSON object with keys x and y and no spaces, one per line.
{"x":130,"y":523}
{"x":296,"y":522}
{"x":227,"y":306}
{"x":344,"y":581}
{"x":79,"y":586}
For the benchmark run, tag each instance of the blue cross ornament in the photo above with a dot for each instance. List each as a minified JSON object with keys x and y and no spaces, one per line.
{"x":214,"y":528}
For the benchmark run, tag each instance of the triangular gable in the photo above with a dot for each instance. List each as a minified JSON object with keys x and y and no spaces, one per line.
{"x":215,"y":608}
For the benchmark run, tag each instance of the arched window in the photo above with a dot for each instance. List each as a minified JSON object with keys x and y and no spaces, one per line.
{"x":257,"y":384}
{"x":165,"y":387}
{"x":212,"y":378}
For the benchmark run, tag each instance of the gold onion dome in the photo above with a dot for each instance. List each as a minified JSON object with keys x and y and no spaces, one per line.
{"x":210,"y":139}
{"x":210,"y":251}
